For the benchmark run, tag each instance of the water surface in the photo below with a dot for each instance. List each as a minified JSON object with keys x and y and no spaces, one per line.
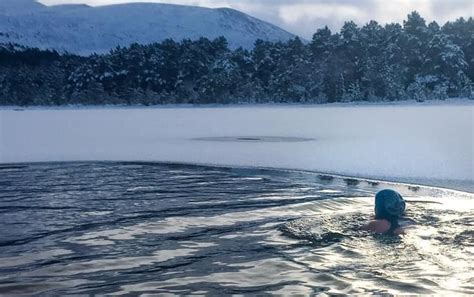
{"x":132,"y":228}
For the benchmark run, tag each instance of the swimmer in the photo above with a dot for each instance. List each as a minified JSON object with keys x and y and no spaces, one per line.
{"x":389,"y":207}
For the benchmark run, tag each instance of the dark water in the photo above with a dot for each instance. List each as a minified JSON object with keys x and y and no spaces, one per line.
{"x":133,"y":228}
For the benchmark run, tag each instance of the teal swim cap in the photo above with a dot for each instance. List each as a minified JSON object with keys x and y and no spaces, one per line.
{"x":389,"y":204}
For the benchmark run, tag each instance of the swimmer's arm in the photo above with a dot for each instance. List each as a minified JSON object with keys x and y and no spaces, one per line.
{"x":377,"y":226}
{"x":382,"y":226}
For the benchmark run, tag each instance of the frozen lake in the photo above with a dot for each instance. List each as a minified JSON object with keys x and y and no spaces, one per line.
{"x":427,"y":144}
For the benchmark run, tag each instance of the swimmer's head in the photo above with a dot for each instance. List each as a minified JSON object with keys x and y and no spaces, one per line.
{"x":389,"y":204}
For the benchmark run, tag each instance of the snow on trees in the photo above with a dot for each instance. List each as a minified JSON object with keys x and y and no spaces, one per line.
{"x":368,"y":63}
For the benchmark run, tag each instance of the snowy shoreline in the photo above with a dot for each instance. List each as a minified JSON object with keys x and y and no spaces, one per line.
{"x":447,"y":102}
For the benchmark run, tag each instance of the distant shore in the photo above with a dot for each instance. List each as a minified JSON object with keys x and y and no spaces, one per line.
{"x":447,"y":102}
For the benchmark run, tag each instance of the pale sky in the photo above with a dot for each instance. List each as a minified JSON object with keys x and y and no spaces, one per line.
{"x":303,"y":17}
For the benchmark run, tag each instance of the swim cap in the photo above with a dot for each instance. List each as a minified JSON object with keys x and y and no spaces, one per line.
{"x":389,"y":204}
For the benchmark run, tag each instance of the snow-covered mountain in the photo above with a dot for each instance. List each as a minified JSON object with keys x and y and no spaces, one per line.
{"x":83,"y":29}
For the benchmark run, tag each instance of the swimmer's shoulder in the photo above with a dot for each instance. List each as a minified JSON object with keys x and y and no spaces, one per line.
{"x":378,"y":226}
{"x":382,"y":226}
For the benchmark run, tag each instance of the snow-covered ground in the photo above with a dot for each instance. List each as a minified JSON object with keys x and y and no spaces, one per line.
{"x":427,"y":144}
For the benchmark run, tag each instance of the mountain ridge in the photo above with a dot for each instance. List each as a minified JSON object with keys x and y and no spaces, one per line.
{"x":83,"y":29}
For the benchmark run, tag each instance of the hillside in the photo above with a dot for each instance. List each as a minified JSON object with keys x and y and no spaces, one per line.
{"x":82,"y":29}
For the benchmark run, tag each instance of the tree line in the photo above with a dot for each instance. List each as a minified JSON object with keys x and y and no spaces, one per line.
{"x":413,"y":60}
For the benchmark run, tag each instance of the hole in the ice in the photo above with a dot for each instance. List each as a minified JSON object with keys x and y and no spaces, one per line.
{"x":254,"y":139}
{"x":248,"y":138}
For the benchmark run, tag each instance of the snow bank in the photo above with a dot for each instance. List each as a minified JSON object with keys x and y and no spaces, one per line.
{"x":431,"y":144}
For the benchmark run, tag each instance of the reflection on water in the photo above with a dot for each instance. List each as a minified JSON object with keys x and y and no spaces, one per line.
{"x":88,"y":228}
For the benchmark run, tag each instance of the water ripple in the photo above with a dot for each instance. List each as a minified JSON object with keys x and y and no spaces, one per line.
{"x":135,"y":227}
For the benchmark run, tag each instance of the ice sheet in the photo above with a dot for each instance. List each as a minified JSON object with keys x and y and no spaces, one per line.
{"x":431,"y":144}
